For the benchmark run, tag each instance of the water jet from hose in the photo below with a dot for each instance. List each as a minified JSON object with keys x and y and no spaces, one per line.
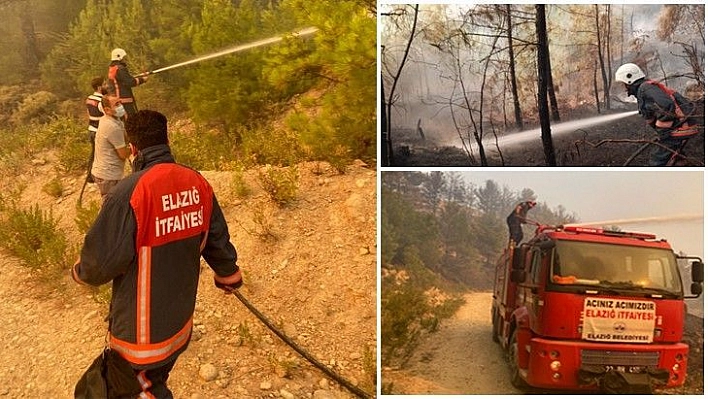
{"x":242,"y":47}
{"x":556,"y":129}
{"x":642,"y":220}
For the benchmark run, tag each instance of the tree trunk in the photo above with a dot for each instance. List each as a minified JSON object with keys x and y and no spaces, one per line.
{"x":31,"y":54}
{"x":596,"y":89}
{"x":609,"y":55}
{"x":512,"y":72}
{"x":600,"y":57}
{"x":385,"y":147}
{"x":552,"y":90}
{"x":543,"y":74}
{"x":389,"y":103}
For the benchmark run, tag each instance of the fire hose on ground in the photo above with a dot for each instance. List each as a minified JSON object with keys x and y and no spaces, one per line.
{"x":346,"y":384}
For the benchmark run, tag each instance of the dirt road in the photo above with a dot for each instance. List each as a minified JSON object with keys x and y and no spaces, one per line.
{"x":461,"y":358}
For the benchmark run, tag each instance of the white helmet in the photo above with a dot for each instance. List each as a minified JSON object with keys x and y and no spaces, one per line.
{"x":118,"y":54}
{"x":628,"y":73}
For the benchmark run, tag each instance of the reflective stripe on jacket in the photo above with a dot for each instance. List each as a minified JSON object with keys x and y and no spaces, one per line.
{"x":121,"y":82}
{"x":664,"y":109}
{"x":95,"y":110}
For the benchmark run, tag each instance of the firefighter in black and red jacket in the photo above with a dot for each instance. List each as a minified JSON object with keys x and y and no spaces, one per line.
{"x":148,"y":239}
{"x":121,"y":82}
{"x":669,"y":113}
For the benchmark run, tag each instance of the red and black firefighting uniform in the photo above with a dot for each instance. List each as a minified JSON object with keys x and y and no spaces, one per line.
{"x":148,"y":239}
{"x":668,"y":112}
{"x":121,"y":83}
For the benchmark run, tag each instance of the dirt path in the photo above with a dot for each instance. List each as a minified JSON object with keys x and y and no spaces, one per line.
{"x":314,"y":278}
{"x":458,"y":359}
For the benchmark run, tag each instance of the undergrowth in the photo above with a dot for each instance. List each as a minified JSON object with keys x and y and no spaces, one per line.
{"x":407,"y":311}
{"x":281,"y":184}
{"x":32,"y":235}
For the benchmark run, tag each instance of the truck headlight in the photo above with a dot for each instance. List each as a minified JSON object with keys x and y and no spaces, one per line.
{"x":555,"y":365}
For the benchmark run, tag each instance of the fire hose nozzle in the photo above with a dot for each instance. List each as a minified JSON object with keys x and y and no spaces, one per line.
{"x":140,"y":75}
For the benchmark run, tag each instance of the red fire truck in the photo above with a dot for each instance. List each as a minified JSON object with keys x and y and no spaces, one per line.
{"x":582,"y":308}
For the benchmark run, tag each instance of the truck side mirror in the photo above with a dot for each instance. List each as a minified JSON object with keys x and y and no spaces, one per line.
{"x":696,"y":289}
{"x":696,"y":272}
{"x":519,"y":276}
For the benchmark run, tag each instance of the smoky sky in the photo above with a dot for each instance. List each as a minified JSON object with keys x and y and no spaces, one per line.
{"x":672,"y":202}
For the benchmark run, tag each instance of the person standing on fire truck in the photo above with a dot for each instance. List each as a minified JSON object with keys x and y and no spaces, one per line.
{"x":148,"y":239}
{"x":669,"y":113}
{"x":515,"y":219}
{"x":121,"y":82}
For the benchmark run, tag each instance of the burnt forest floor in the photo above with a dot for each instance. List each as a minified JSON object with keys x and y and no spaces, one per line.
{"x":608,"y":144}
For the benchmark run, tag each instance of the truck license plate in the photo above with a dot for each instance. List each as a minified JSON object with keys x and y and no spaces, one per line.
{"x":626,"y":369}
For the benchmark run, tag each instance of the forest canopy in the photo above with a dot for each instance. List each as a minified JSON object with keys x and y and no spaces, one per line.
{"x":323,"y":83}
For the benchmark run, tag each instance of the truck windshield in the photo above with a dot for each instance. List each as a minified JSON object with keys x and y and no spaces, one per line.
{"x":616,"y":266}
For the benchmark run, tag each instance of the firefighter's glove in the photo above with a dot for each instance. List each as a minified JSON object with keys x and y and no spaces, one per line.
{"x":229,"y":283}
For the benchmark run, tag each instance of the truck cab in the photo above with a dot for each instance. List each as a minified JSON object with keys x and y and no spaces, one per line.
{"x":582,"y":308}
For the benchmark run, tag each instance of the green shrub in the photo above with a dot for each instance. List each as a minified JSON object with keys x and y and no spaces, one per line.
{"x":268,"y":145}
{"x":239,"y":184}
{"x":201,"y":148}
{"x":403,"y":308}
{"x":369,"y":366}
{"x":36,"y":107}
{"x":86,"y":216}
{"x":54,"y":187}
{"x":280,"y":183}
{"x":32,"y":235}
{"x":10,"y":98}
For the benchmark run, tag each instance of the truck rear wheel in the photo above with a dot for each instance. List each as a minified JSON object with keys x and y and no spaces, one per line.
{"x":513,"y":352}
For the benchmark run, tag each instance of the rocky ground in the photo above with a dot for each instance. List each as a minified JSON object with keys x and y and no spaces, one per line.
{"x":309,"y":267}
{"x":606,"y":144}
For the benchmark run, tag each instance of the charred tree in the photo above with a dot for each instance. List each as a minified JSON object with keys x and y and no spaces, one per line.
{"x":608,"y":35}
{"x":385,"y":147}
{"x":601,"y":57}
{"x":543,"y":73}
{"x":555,"y":114}
{"x":396,"y":78}
{"x":512,"y":72}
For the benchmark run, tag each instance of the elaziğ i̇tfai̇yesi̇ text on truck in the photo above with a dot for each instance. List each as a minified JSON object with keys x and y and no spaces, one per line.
{"x":583,"y":308}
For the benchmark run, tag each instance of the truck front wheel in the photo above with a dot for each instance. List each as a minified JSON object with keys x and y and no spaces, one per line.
{"x":495,"y":326}
{"x":513,"y":353}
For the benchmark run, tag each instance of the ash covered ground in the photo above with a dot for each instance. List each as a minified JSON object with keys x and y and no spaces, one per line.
{"x":607,"y":144}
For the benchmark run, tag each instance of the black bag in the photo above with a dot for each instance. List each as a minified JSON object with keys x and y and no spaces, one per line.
{"x":109,"y":376}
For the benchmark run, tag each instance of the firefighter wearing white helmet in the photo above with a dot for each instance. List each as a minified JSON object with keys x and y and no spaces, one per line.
{"x":629,"y":73}
{"x":121,"y":81}
{"x":118,"y":54}
{"x":669,"y":113}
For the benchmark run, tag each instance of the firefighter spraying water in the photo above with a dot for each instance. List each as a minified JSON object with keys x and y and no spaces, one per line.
{"x":118,"y":55}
